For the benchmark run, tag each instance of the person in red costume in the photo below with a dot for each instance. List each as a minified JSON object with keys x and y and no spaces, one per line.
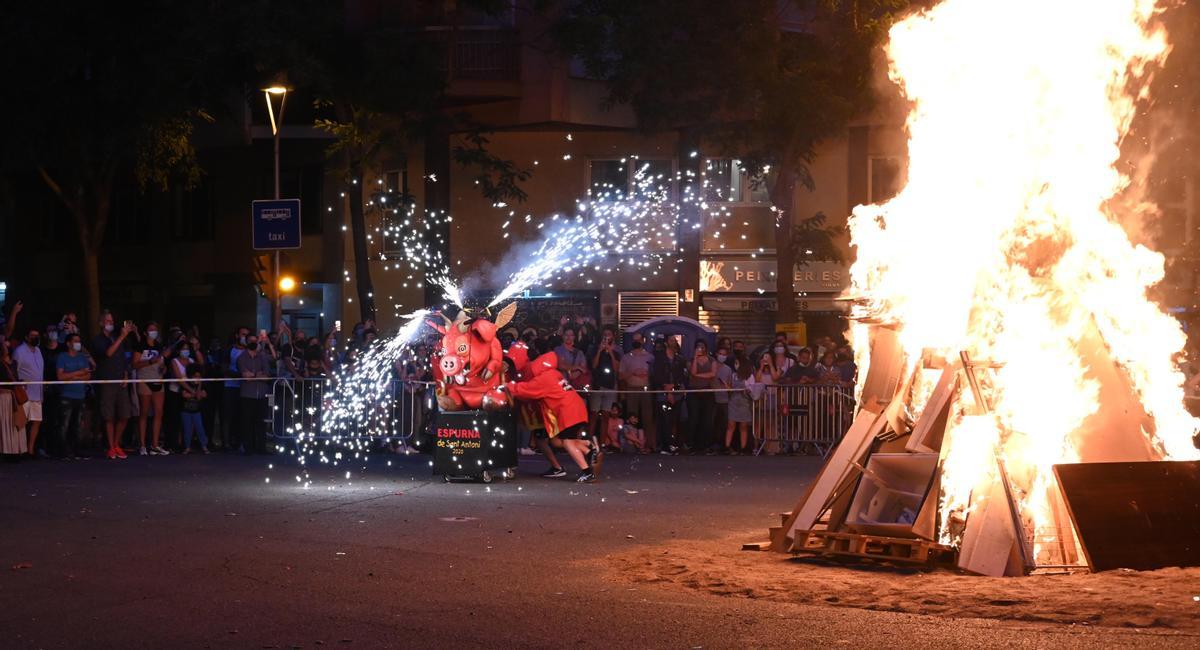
{"x":564,"y":415}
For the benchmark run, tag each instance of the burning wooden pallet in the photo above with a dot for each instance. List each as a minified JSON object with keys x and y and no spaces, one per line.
{"x":881,"y":494}
{"x":874,"y":547}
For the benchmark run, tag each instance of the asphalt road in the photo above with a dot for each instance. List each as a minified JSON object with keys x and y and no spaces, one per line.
{"x":184,"y":552}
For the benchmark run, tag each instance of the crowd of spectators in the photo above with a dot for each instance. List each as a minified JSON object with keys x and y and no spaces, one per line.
{"x":195,"y":397}
{"x":655,"y":397}
{"x":186,"y":397}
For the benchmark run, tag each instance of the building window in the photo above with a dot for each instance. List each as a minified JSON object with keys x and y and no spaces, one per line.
{"x":726,"y":180}
{"x":642,"y":178}
{"x":398,"y":218}
{"x":885,"y":176}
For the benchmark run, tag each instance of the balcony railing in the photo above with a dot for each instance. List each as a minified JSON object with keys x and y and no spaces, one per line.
{"x":478,"y":54}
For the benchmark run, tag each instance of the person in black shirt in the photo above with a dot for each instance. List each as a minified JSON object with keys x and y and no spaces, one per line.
{"x":605,"y":359}
{"x":110,"y":349}
{"x":668,"y":373}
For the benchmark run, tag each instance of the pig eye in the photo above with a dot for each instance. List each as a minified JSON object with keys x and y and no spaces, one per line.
{"x":462,"y":347}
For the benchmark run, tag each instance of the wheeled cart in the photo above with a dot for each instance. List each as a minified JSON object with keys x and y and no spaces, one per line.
{"x":475,"y":445}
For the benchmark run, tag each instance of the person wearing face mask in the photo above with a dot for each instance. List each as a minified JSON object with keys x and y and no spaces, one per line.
{"x":52,"y":346}
{"x":723,"y":380}
{"x":71,"y":365}
{"x":31,"y":366}
{"x":702,"y":374}
{"x":108,"y":349}
{"x":173,"y":402}
{"x":253,"y":367}
{"x":635,"y":376}
{"x":231,"y":399}
{"x":149,"y":366}
{"x":668,"y":374}
{"x":605,"y":358}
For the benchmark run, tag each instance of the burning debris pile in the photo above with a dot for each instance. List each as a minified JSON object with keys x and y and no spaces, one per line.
{"x":1002,"y":315}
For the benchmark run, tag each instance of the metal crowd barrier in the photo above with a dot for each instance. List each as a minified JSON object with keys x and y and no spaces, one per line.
{"x":299,"y":406}
{"x":799,"y":417}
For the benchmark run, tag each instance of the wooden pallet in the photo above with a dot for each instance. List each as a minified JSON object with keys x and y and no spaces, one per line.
{"x":873,"y":547}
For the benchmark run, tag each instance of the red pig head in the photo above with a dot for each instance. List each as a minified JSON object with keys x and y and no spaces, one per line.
{"x":470,"y":348}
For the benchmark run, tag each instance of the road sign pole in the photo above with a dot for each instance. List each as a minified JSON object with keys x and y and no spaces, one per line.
{"x":276,"y":292}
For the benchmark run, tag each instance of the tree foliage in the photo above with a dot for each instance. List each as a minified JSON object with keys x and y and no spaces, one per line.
{"x":104,"y":92}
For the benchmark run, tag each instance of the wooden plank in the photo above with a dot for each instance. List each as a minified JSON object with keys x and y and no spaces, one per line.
{"x":989,"y":541}
{"x":854,"y":443}
{"x":1138,"y":515}
{"x":885,"y":371}
{"x":931,"y":426}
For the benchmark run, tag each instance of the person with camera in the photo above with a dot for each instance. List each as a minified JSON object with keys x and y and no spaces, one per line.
{"x":605,"y":357}
{"x":253,"y":366}
{"x":149,"y":366}
{"x":112,"y":367}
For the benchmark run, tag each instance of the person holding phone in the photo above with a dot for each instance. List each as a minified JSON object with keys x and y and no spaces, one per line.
{"x":605,"y":358}
{"x":149,"y":366}
{"x":254,"y":368}
{"x":112,"y":364}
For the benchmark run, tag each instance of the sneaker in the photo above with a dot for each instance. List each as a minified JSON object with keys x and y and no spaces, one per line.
{"x":526,"y":451}
{"x":142,"y":452}
{"x":586,"y":476}
{"x":554,"y":473}
{"x":205,"y":450}
{"x":161,"y":451}
{"x":664,"y":452}
{"x":110,"y":454}
{"x":120,"y":453}
{"x":187,"y":451}
{"x":41,"y":453}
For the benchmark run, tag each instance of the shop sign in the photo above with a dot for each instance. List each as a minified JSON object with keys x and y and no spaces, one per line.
{"x":761,"y":305}
{"x":750,"y":276}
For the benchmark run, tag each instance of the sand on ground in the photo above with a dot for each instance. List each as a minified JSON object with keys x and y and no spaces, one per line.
{"x":1166,"y":598}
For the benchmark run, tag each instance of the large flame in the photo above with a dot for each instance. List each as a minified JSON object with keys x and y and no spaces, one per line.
{"x":1006,"y":241}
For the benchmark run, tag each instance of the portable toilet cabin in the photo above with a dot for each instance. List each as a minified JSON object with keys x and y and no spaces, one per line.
{"x":685,"y":330}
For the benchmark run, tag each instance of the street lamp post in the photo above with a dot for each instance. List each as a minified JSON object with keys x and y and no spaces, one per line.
{"x":276,"y":123}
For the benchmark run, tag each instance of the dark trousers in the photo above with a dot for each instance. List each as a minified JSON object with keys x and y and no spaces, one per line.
{"x":666,"y":420}
{"x":230,"y":422}
{"x":701,"y":413}
{"x":66,"y":433}
{"x":253,"y":430}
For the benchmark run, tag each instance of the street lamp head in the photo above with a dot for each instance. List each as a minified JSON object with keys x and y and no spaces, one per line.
{"x":287,"y":283}
{"x":275,"y":90}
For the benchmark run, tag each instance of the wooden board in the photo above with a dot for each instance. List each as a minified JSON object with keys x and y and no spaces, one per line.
{"x":930,"y":428}
{"x":989,"y":544}
{"x":854,"y":444}
{"x":1143,"y":515}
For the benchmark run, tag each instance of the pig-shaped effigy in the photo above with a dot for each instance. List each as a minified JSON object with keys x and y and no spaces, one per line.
{"x":470,"y":364}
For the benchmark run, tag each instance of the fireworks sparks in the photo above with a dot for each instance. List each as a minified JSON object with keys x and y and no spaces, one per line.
{"x":612,"y":229}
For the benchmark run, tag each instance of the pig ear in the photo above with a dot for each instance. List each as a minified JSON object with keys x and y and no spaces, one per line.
{"x":506,"y":315}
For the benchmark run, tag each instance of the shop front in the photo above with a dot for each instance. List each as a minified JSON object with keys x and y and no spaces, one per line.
{"x":738,"y":297}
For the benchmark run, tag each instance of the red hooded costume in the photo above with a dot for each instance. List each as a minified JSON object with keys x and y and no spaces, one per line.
{"x":561,"y":406}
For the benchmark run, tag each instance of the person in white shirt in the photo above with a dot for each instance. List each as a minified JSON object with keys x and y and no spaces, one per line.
{"x":31,"y":367}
